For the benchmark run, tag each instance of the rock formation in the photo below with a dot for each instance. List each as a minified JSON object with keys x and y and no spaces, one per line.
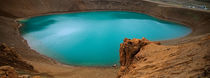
{"x":8,"y":56}
{"x":128,"y":50}
{"x":144,"y":59}
{"x":8,"y":72}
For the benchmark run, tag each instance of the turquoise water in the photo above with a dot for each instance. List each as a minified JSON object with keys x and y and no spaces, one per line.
{"x":93,"y":38}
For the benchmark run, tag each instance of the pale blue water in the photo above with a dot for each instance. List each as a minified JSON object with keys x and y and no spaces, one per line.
{"x":93,"y":38}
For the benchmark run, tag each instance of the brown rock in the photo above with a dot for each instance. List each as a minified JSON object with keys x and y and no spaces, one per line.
{"x":24,"y":76}
{"x":8,"y":72}
{"x":128,"y":49}
{"x":8,"y":56}
{"x":206,"y":38}
{"x":36,"y":77}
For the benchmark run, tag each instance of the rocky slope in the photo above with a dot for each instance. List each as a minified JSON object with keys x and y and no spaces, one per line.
{"x":8,"y":56}
{"x":10,"y":72}
{"x":143,"y":59}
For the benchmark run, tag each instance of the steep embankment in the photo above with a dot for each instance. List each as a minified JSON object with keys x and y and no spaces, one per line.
{"x":144,"y":59}
{"x":10,"y":10}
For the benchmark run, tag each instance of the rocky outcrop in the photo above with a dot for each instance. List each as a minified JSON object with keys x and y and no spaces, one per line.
{"x":140,"y":59}
{"x":8,"y":72}
{"x":128,"y":50}
{"x":8,"y":56}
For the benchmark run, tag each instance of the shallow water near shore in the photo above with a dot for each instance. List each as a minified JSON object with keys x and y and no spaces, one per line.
{"x":93,"y":38}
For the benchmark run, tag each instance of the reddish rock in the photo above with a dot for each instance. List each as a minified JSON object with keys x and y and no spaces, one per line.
{"x":128,"y":49}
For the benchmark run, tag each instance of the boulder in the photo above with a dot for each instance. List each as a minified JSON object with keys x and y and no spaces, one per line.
{"x":128,"y":49}
{"x":8,"y":72}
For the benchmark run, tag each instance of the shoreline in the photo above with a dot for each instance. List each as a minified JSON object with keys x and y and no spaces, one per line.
{"x":39,"y":66}
{"x":57,"y":62}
